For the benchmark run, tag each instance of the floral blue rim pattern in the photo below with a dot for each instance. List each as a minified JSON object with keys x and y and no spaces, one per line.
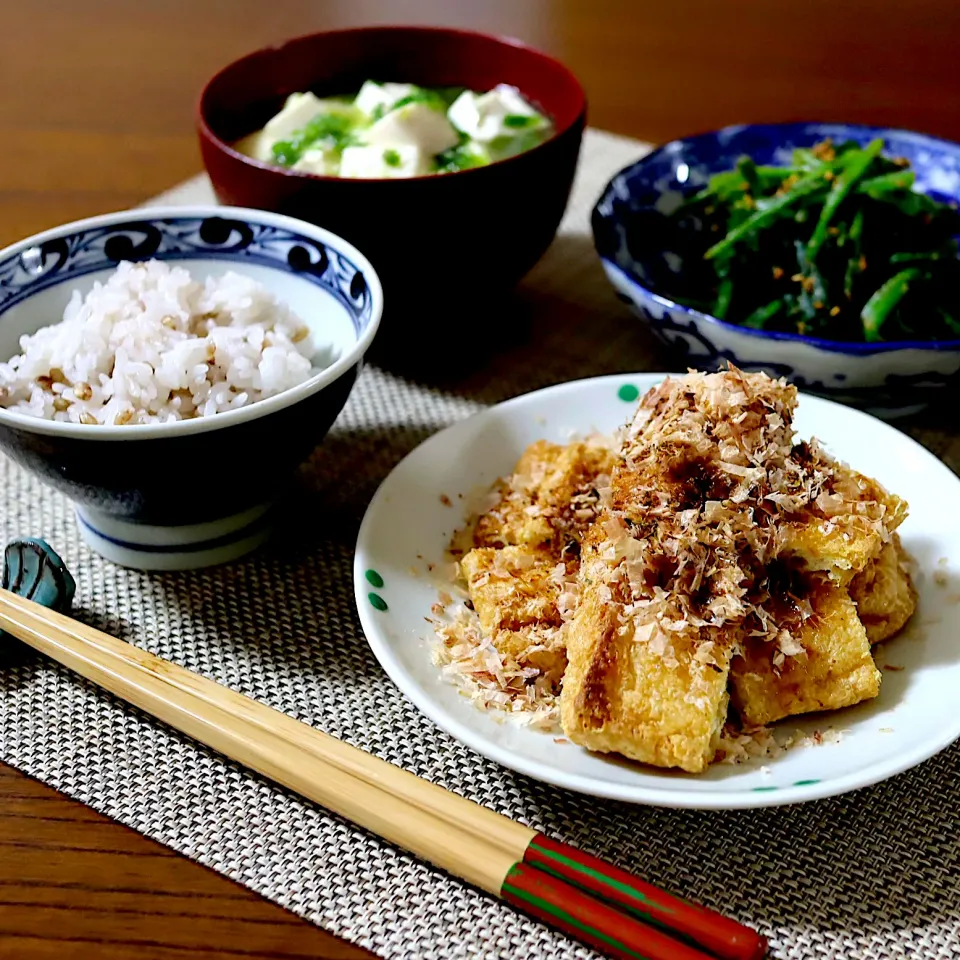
{"x":896,"y":386}
{"x":681,"y":166}
{"x":65,"y":258}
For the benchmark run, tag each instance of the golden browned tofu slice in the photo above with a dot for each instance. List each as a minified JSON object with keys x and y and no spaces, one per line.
{"x":514,"y":592}
{"x":622,"y":694}
{"x":549,"y":498}
{"x":841,"y":547}
{"x":511,"y":587}
{"x":892,"y":509}
{"x":535,"y":646}
{"x":884,"y":594}
{"x":834,"y":668}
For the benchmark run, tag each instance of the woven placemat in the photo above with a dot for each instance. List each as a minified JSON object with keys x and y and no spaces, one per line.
{"x":873,"y":874}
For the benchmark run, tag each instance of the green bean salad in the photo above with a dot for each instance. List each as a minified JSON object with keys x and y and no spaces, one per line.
{"x":837,"y":245}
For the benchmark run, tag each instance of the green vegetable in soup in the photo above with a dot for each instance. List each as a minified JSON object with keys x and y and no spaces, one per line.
{"x":427,"y":97}
{"x":332,"y":131}
{"x":438,"y":98}
{"x":520,"y":120}
{"x":457,"y":158}
{"x":405,"y":145}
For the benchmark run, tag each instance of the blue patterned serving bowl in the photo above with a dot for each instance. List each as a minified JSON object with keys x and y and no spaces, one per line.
{"x":194,"y":492}
{"x":889,"y":379}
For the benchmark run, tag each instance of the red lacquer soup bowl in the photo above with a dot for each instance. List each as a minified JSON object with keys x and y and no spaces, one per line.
{"x":463,"y":235}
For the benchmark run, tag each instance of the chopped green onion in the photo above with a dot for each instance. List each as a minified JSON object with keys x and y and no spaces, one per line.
{"x":333,"y":131}
{"x":391,"y":158}
{"x":456,"y":159}
{"x":519,"y":120}
{"x":428,"y":98}
{"x":285,"y":153}
{"x":333,"y":128}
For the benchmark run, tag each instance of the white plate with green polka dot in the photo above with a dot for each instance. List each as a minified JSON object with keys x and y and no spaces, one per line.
{"x":418,"y":507}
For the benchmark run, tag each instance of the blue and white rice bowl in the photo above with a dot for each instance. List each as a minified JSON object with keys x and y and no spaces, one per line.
{"x":889,"y":379}
{"x":189,"y":492}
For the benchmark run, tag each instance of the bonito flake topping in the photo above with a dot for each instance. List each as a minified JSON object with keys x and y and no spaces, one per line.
{"x":700,"y":571}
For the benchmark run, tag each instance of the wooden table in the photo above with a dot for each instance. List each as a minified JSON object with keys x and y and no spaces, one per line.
{"x":96,"y":115}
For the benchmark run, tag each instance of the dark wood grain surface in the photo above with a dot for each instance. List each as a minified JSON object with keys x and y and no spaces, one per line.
{"x":96,"y":102}
{"x":75,"y":885}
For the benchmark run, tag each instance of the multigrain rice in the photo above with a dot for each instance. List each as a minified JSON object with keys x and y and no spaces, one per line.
{"x":151,"y":345}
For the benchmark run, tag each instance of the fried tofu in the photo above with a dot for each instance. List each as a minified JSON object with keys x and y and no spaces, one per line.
{"x":893,"y":508}
{"x":539,"y":646}
{"x":545,"y":507}
{"x":842,"y":543}
{"x":884,"y":594}
{"x":835,"y":668}
{"x":674,"y":582}
{"x":840,"y":547}
{"x":549,"y":499}
{"x":511,"y":587}
{"x":514,"y":593}
{"x":628,"y":695}
{"x":724,"y":563}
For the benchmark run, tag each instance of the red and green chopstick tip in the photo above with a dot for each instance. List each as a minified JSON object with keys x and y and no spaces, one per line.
{"x":688,"y":922}
{"x":590,"y":919}
{"x":516,"y":894}
{"x":579,"y":864}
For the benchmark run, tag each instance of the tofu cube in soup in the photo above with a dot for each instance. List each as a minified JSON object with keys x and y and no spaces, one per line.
{"x":381,"y":96}
{"x":318,"y":160}
{"x":297,"y":112}
{"x":413,"y":125}
{"x":501,"y":112}
{"x":384,"y":163}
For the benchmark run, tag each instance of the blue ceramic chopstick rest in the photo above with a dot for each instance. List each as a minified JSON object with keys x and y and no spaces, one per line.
{"x":33,"y":569}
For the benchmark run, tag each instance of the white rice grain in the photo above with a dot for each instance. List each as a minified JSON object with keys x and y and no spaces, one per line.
{"x":152,"y":345}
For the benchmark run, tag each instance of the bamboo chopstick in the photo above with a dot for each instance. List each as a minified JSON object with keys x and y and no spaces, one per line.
{"x":582,"y":895}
